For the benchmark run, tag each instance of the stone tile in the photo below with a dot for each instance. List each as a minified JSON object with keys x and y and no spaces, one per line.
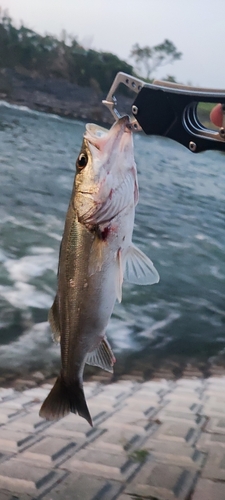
{"x":17,"y":403}
{"x":208,"y":440}
{"x":145,"y":393}
{"x":116,"y":441}
{"x":98,"y":413}
{"x":158,"y":385}
{"x":209,"y":490}
{"x":165,"y":415}
{"x":215,"y":390}
{"x":143,"y":405}
{"x":72,"y":426}
{"x":158,"y":416}
{"x":216,"y":381}
{"x":117,"y":391}
{"x":103,"y":402}
{"x":125,"y":418}
{"x":17,"y":476}
{"x":92,"y":388}
{"x":38,"y":393}
{"x":14,"y":441}
{"x":183,"y":406}
{"x":215,"y":464}
{"x":100,"y":463}
{"x":29,"y":423}
{"x":162,"y":481}
{"x":174,"y":453}
{"x":181,"y":432}
{"x":78,"y":486}
{"x":22,"y":384}
{"x":192,"y":384}
{"x":125,"y":496}
{"x":187,"y":396}
{"x":213,"y":396}
{"x":6,"y":393}
{"x":7,"y":414}
{"x":46,"y":386}
{"x":127,"y":383}
{"x":213,"y":409}
{"x":48,"y":451}
{"x":216,"y":425}
{"x":7,"y":495}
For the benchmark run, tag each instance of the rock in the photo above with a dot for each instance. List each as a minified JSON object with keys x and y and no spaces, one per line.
{"x":38,"y":376}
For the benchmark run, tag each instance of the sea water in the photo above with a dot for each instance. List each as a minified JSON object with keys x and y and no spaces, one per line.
{"x":179,"y":224}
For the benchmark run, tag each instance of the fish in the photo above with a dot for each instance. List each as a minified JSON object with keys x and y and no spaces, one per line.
{"x":96,"y":255}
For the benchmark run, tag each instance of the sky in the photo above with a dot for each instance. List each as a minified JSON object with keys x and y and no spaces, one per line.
{"x":196,"y":27}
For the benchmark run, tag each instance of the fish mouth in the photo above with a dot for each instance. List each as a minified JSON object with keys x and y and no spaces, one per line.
{"x":100,"y":137}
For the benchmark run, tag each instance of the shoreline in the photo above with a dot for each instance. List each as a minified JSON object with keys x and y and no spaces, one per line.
{"x":167,"y":371}
{"x":57,"y":96}
{"x":60,"y":97}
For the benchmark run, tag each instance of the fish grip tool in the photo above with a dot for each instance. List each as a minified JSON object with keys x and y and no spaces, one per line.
{"x":170,"y":110}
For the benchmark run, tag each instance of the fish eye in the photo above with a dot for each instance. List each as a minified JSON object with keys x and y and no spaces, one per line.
{"x":82,"y":161}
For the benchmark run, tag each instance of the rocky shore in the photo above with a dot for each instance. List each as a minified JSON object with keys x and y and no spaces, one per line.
{"x":57,"y":96}
{"x":170,"y":370}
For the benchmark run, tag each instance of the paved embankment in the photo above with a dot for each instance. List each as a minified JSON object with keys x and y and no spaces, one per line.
{"x":157,"y":440}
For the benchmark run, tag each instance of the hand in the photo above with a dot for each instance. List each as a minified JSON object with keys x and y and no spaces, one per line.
{"x":216,"y":115}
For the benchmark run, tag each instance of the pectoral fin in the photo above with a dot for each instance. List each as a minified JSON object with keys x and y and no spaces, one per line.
{"x":102,"y":356}
{"x":139,"y":269}
{"x":119,"y":275}
{"x":53,"y":318}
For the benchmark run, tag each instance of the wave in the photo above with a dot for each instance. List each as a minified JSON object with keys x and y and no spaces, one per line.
{"x":31,"y":266}
{"x":34,"y":348}
{"x":23,"y":295}
{"x":34,"y":112}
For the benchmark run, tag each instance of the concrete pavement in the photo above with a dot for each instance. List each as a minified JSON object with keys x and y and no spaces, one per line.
{"x":157,"y":440}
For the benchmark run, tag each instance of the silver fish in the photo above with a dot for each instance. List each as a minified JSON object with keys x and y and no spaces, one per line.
{"x":96,"y":254}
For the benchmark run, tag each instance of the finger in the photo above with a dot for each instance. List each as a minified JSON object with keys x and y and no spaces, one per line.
{"x":216,"y":115}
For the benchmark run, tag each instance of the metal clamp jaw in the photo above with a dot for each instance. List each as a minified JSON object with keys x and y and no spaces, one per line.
{"x":170,"y":110}
{"x":134,"y":84}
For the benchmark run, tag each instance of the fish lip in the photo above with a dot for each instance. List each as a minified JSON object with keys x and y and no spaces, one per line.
{"x":123,"y":123}
{"x":124,"y":120}
{"x":120,"y":127}
{"x":114,"y":134}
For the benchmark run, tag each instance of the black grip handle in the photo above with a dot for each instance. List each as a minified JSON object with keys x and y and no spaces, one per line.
{"x":170,"y":110}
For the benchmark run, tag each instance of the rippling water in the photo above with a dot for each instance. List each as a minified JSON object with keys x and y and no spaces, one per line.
{"x":180,"y":224}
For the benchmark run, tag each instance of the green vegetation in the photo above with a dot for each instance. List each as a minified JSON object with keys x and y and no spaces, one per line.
{"x":25,"y":50}
{"x":149,"y":59}
{"x":47,"y":56}
{"x":139,"y":455}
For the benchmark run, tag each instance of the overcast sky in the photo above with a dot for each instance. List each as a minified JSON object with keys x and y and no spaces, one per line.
{"x":196,"y":27}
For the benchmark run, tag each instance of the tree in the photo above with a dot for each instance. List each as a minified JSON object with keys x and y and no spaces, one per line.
{"x":48,"y":56}
{"x":151,"y":58}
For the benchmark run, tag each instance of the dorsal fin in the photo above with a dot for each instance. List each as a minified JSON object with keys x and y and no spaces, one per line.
{"x":53,"y":318}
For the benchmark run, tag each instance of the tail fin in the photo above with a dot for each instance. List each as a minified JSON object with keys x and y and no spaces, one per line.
{"x":63,"y":399}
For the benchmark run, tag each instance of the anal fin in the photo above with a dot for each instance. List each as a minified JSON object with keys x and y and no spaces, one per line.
{"x":102,"y":356}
